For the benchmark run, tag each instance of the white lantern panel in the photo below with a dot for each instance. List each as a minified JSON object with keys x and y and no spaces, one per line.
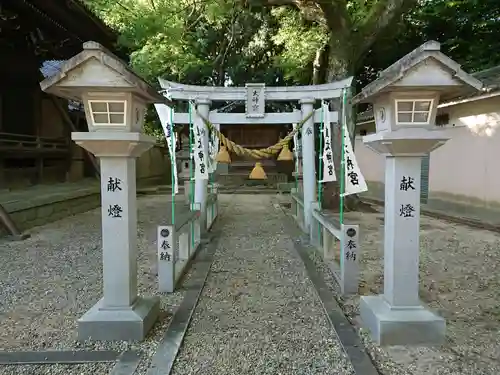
{"x":98,"y":107}
{"x":116,"y":118}
{"x":423,"y":105}
{"x":421,"y":117}
{"x":404,"y":117}
{"x":100,"y":118}
{"x":405,"y":106}
{"x":116,"y":107}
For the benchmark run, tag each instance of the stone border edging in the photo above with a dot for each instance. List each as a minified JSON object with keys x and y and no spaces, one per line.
{"x":168,"y":348}
{"x":346,"y":333}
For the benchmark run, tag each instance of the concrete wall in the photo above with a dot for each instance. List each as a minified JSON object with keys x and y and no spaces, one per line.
{"x":465,"y":169}
{"x":153,"y":167}
{"x":52,"y":124}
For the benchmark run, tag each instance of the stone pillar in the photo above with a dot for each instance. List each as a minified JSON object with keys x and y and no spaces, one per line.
{"x":120,"y":314}
{"x":402,"y":231}
{"x":308,"y":162}
{"x":201,"y":186}
{"x":397,"y":317}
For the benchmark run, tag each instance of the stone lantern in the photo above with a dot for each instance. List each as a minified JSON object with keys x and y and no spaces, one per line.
{"x":115,"y":102}
{"x":405,"y":98}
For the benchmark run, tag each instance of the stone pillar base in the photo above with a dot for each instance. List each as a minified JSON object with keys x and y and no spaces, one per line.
{"x":402,"y":326}
{"x":128,"y":324}
{"x":222,"y":168}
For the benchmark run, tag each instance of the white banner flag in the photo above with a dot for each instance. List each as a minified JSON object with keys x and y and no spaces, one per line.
{"x":166,"y":115}
{"x":199,"y":153}
{"x":296,"y":148}
{"x":213,"y":146}
{"x":354,"y":181}
{"x":327,"y":158}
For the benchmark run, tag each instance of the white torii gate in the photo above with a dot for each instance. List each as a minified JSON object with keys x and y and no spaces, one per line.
{"x":255,"y":95}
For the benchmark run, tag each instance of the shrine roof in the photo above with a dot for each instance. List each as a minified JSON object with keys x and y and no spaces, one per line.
{"x":113,"y":64}
{"x":491,"y":84}
{"x":51,"y":67}
{"x":52,"y":29}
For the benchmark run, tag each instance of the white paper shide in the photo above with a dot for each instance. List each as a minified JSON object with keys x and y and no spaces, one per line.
{"x":213,"y":149}
{"x":327,"y":158}
{"x":166,"y":115}
{"x":354,"y":181}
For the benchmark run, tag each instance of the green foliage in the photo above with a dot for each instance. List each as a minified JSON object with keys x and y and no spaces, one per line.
{"x":300,"y":43}
{"x":154,"y":32}
{"x":466,"y":29}
{"x":152,"y":128}
{"x":219,"y":42}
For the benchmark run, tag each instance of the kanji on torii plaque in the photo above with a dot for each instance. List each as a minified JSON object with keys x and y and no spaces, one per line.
{"x":255,"y":105}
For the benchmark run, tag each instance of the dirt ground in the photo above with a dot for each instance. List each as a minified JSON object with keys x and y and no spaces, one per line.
{"x":459,"y":279}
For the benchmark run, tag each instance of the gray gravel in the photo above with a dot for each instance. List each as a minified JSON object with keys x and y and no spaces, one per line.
{"x":459,"y":280}
{"x":259,"y":313}
{"x":48,"y":281}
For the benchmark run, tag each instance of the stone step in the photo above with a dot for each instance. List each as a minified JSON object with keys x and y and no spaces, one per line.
{"x":242,"y":178}
{"x":229,"y":189}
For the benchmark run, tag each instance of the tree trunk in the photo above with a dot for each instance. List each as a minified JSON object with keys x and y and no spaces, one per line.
{"x":337,"y":66}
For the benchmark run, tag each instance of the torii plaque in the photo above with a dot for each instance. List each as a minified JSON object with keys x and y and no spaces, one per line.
{"x":255,"y":105}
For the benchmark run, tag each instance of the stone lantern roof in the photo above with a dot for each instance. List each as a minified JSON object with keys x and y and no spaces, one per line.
{"x":411,"y":72}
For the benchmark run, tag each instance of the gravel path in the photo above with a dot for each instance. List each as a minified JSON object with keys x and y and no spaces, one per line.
{"x":258,"y":313}
{"x":49,"y":280}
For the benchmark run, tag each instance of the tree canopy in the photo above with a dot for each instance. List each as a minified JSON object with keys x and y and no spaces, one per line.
{"x":289,"y":42}
{"x":217,"y":42}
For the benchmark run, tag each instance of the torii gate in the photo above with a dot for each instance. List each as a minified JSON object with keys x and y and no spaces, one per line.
{"x":255,"y":95}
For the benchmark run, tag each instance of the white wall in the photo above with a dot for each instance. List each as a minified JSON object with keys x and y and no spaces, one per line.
{"x":468,"y":165}
{"x":371,"y":164}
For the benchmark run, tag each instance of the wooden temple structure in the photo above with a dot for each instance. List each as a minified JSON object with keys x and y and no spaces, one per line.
{"x":36,"y":36}
{"x":257,"y":137}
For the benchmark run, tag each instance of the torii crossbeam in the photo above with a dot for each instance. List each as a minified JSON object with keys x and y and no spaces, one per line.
{"x":255,"y":96}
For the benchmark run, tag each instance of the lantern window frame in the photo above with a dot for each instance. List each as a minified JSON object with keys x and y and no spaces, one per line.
{"x":108,"y":112}
{"x":413,"y":111}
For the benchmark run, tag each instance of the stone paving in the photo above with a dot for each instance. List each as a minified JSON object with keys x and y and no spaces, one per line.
{"x":259,"y":312}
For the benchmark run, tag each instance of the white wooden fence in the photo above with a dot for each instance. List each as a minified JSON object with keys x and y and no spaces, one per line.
{"x":325,"y":233}
{"x":212,"y":207}
{"x":298,"y":208}
{"x":177,"y":244}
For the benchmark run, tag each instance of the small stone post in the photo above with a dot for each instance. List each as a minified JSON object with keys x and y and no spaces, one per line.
{"x":308,"y":161}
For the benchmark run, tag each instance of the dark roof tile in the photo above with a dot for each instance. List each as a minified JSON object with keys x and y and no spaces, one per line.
{"x":490,"y":77}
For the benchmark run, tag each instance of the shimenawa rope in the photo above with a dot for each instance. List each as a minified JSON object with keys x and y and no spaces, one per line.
{"x":256,"y":154}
